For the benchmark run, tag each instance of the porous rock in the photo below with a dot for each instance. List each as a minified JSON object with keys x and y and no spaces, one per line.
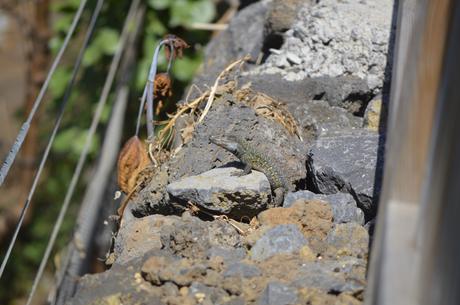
{"x":135,"y":238}
{"x":372,"y":114}
{"x":321,"y":37}
{"x":312,"y":217}
{"x":277,"y":293}
{"x":347,"y":275}
{"x":280,"y":239}
{"x":241,"y":269}
{"x":343,"y":205}
{"x":348,"y":239}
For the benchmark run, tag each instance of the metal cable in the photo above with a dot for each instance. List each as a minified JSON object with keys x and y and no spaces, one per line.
{"x":92,"y":130}
{"x":25,"y":127}
{"x":150,"y":86}
{"x":64,"y":103}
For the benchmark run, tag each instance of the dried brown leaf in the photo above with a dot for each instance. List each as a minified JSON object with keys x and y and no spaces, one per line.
{"x":178,"y":46}
{"x":133,"y":158}
{"x":162,"y":86}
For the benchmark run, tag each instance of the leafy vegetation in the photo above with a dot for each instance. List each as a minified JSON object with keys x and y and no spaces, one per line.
{"x":162,"y":17}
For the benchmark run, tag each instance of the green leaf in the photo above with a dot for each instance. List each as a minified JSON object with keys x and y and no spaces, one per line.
{"x":72,"y":141}
{"x":184,"y":69}
{"x":160,"y":4}
{"x":107,"y":40}
{"x":62,"y":24}
{"x":55,"y":43}
{"x":59,"y":81}
{"x":105,"y":43}
{"x":155,"y":27}
{"x":187,"y":12}
{"x":62,"y":5}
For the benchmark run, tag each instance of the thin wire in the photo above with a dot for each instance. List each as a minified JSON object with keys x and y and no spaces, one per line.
{"x":64,"y":103}
{"x":149,"y":89}
{"x":25,"y":127}
{"x":92,"y":130}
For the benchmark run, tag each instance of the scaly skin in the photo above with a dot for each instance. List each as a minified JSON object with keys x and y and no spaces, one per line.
{"x":254,"y":159}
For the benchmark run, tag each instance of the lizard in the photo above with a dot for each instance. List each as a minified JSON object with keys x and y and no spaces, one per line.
{"x":253,"y":159}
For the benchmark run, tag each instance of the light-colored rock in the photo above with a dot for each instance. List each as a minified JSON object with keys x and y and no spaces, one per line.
{"x":372,"y":114}
{"x":335,"y":38}
{"x":219,"y":191}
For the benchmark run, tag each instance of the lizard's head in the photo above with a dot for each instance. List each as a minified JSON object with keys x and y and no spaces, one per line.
{"x":229,"y":143}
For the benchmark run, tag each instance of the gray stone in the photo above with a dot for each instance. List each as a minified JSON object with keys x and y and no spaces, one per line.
{"x":348,"y":239}
{"x":335,"y":38}
{"x":240,"y":269}
{"x":218,"y":191}
{"x":343,"y":205}
{"x":227,"y":116}
{"x":278,"y":240}
{"x":293,"y":58}
{"x":347,"y":275}
{"x":349,"y":162}
{"x":348,"y":92}
{"x":244,"y":35}
{"x":318,"y":118}
{"x":211,"y":295}
{"x":282,"y":14}
{"x":277,"y":293}
{"x":230,"y":255}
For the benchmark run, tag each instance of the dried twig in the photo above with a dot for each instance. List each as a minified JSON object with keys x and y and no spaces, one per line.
{"x":216,"y":84}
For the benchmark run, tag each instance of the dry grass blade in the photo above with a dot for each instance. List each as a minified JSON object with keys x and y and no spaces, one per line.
{"x":216,"y":84}
{"x":267,"y":107}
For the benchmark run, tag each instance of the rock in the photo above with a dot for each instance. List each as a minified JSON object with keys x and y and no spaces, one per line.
{"x":348,"y":275}
{"x":348,"y":162}
{"x":118,"y":285}
{"x":343,"y":205}
{"x":229,"y":255}
{"x":348,"y":92}
{"x":244,"y":35}
{"x":242,"y":270}
{"x":207,"y":295}
{"x":220,"y":192}
{"x":136,"y":238}
{"x":192,"y":238}
{"x":313,"y":296}
{"x":280,"y":239}
{"x":293,"y":58}
{"x":228,"y":116}
{"x":313,"y":218}
{"x":153,"y":199}
{"x":372,"y":114}
{"x":348,"y":239}
{"x":277,"y":293}
{"x":307,"y":254}
{"x":282,"y":14}
{"x":318,"y":118}
{"x":320,"y":36}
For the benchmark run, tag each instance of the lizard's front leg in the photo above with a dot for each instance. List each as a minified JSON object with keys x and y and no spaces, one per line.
{"x":246,"y":171}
